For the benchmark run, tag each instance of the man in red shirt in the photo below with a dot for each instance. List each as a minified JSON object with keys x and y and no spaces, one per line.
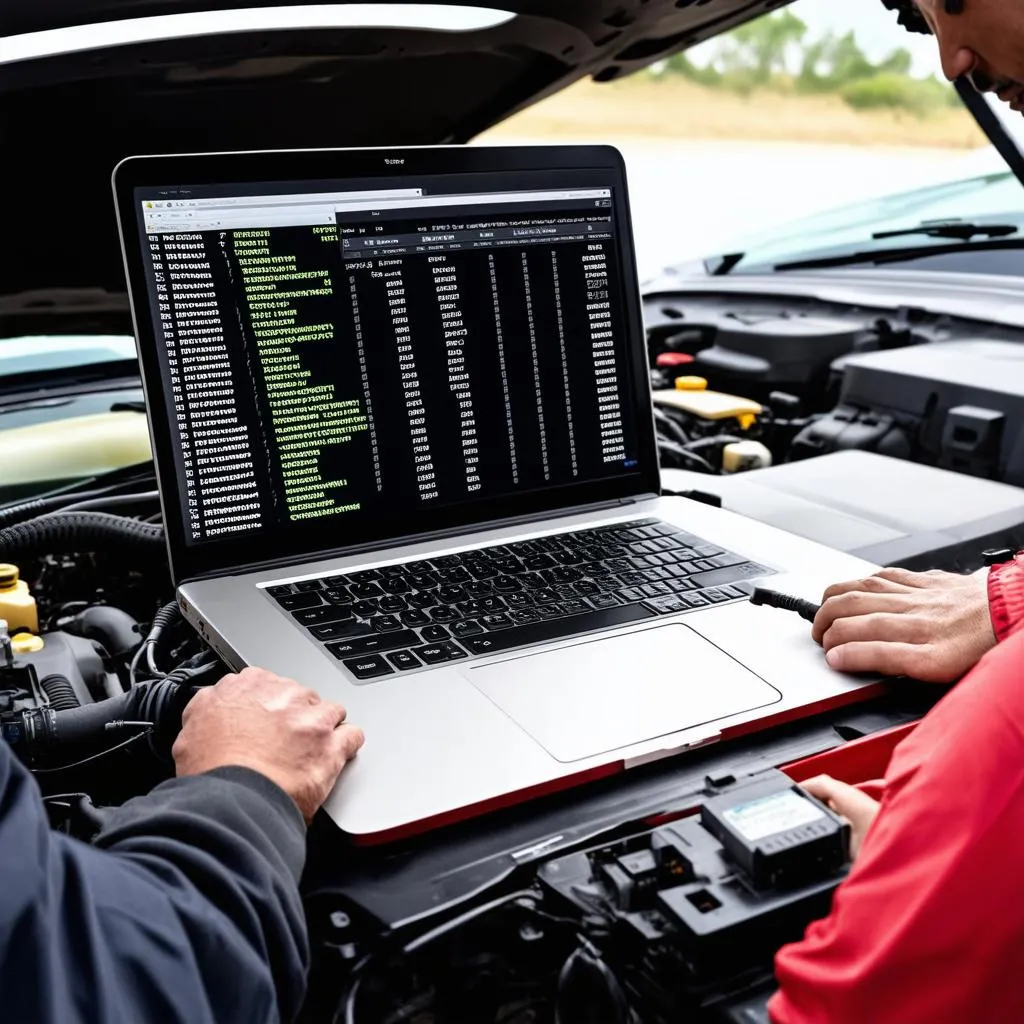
{"x":929,"y":925}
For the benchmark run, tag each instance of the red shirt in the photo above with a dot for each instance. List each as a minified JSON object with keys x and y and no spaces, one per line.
{"x":929,"y":925}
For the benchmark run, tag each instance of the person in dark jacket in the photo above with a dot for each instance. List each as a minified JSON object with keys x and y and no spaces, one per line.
{"x":186,"y":907}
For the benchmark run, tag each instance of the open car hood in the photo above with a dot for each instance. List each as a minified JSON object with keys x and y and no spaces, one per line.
{"x":72,"y":103}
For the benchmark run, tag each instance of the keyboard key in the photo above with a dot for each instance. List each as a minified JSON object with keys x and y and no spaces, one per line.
{"x":341,"y":630}
{"x":422,"y":580}
{"x":392,"y":572}
{"x":372,"y":644}
{"x":498,"y":621}
{"x":666,"y":605}
{"x":493,"y":604}
{"x":280,"y":590}
{"x":395,"y":585}
{"x":507,"y":585}
{"x":632,"y":594}
{"x":537,"y":562}
{"x":544,"y":596}
{"x":391,"y":605}
{"x":319,"y":616}
{"x":444,"y":614}
{"x":573,"y":606}
{"x":385,"y":623}
{"x":308,"y":586}
{"x":655,"y":590}
{"x":364,"y":576}
{"x":369,"y":667}
{"x":337,"y":580}
{"x":522,"y":600}
{"x":603,"y":601}
{"x":362,"y":591}
{"x":292,"y":602}
{"x":478,"y":589}
{"x":446,"y":562}
{"x":541,"y":632}
{"x":466,"y":628}
{"x":451,"y":594}
{"x":415,"y":617}
{"x":733,"y":574}
{"x":404,"y":660}
{"x":338,"y":596}
{"x":364,"y":609}
{"x":522,"y":615}
{"x":457,"y":575}
{"x":714,"y":596}
{"x":437,"y":654}
{"x":422,"y":600}
{"x":432,"y":634}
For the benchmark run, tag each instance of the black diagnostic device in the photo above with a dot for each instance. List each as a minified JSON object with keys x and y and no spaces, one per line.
{"x":778,"y":835}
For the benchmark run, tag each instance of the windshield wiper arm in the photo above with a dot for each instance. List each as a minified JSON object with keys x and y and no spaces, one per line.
{"x":952,"y":229}
{"x":880,"y":256}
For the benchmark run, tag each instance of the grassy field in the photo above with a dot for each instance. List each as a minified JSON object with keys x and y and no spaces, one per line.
{"x":675,"y":109}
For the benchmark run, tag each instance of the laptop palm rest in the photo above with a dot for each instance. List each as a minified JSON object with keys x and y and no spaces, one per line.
{"x":603,"y":694}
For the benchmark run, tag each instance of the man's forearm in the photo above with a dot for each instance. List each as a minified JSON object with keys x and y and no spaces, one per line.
{"x":188,"y":912}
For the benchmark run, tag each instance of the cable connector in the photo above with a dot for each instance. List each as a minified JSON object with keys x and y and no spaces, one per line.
{"x":773,"y":599}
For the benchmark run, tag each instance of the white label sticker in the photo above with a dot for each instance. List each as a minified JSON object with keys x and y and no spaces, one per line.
{"x":772,"y":814}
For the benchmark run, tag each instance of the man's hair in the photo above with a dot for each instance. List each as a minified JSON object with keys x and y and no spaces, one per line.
{"x":911,"y":18}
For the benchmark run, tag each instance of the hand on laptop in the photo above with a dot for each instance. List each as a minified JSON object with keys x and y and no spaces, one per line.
{"x":272,"y":725}
{"x":933,"y":626}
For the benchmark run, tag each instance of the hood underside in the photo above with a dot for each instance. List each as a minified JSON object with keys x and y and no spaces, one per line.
{"x":67,"y":118}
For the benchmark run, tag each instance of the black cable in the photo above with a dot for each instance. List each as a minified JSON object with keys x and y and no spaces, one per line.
{"x":94,"y":757}
{"x":162,"y":621}
{"x":773,"y":599}
{"x":348,"y":1010}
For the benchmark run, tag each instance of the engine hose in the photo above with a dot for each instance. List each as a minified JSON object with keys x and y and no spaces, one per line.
{"x":77,"y":531}
{"x":22,"y":511}
{"x":115,"y":629}
{"x":61,"y":693}
{"x":160,"y":702}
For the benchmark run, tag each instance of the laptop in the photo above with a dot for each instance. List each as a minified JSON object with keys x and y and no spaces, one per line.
{"x":400,"y":412}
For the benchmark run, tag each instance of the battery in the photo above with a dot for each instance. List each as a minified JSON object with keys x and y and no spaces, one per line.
{"x":777,"y":834}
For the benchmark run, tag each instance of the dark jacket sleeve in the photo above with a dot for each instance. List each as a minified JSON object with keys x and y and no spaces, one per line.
{"x":185,"y":910}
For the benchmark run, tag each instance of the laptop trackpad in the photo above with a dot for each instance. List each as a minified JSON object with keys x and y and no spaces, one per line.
{"x":599,"y":695}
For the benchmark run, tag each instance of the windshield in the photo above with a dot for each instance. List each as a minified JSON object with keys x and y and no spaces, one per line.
{"x":990,"y":199}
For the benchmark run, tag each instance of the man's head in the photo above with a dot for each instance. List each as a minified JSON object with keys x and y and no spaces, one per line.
{"x":983,"y":39}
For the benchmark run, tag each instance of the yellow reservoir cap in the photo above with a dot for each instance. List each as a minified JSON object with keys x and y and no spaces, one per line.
{"x":17,"y":605}
{"x":691,"y":384}
{"x":26,"y":643}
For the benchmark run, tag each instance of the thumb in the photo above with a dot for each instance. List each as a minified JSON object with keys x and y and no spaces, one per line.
{"x":857,"y":807}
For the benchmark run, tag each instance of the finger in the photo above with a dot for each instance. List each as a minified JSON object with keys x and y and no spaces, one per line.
{"x":892,"y":628}
{"x":887,"y":659}
{"x":854,"y":603}
{"x":331,"y":713}
{"x":196,"y":704}
{"x":877,"y":584}
{"x":346,"y":743}
{"x":844,"y":799}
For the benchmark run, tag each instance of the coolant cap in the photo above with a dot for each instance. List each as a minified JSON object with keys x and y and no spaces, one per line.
{"x":691,"y":384}
{"x":8,"y":575}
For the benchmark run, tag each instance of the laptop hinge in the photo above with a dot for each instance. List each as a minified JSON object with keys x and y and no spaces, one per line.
{"x":421,"y":538}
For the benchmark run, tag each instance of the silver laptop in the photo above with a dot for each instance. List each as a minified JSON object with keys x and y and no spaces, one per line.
{"x":400,"y":410}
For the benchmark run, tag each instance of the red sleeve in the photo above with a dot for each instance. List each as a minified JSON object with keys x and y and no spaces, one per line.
{"x":928,"y":927}
{"x":1006,"y":597}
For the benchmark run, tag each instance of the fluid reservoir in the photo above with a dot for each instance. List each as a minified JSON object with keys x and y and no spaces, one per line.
{"x":17,"y":605}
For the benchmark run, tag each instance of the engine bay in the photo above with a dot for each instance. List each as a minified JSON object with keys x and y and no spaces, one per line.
{"x":96,"y":666}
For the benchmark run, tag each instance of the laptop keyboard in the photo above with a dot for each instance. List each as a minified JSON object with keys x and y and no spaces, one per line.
{"x":400,"y":618}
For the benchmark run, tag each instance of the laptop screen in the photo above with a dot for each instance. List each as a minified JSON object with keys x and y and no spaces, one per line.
{"x":369,"y":356}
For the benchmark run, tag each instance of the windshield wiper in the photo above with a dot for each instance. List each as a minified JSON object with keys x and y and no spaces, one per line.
{"x":952,"y":229}
{"x":880,"y":256}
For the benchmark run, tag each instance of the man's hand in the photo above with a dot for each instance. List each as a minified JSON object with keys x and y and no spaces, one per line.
{"x":272,"y":725}
{"x":933,"y":626}
{"x":848,"y":802}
